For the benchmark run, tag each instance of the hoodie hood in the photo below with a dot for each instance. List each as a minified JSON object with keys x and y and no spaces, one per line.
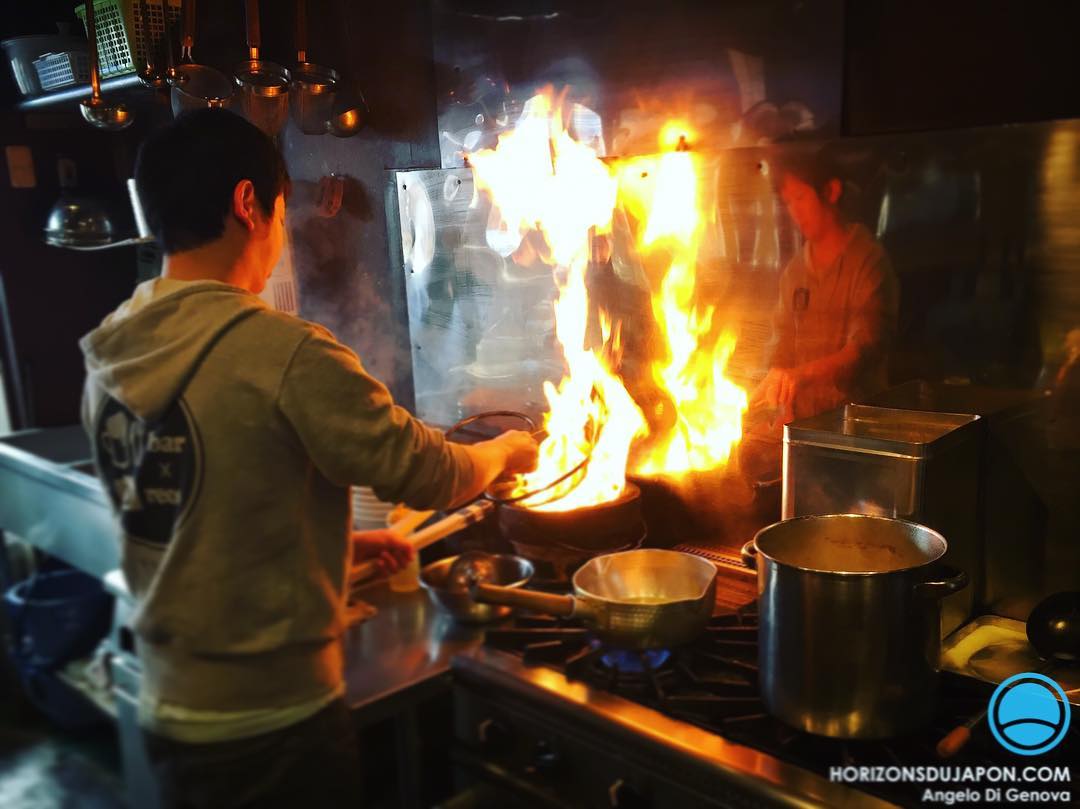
{"x":145,"y":353}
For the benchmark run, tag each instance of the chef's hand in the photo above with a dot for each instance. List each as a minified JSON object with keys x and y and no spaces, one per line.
{"x":520,"y":450}
{"x":777,"y":392}
{"x":388,"y":547}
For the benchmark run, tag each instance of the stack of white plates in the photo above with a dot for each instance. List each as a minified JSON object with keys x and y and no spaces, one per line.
{"x":368,"y":511}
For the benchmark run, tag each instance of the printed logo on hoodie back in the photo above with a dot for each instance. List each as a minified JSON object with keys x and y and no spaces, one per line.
{"x":151,"y":471}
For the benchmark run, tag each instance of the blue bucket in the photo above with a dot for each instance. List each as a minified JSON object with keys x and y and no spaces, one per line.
{"x":61,"y":703}
{"x":56,"y":617}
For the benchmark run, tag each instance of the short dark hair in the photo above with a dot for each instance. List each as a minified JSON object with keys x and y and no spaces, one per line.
{"x":186,"y":173}
{"x":815,"y":167}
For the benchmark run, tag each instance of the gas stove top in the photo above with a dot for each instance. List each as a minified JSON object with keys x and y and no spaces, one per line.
{"x":711,"y":686}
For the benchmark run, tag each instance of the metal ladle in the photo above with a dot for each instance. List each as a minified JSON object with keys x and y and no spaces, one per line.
{"x":1053,"y":628}
{"x":350,"y":115}
{"x":95,"y":110}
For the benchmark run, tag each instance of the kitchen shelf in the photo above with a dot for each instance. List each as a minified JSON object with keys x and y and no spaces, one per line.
{"x":79,"y":91}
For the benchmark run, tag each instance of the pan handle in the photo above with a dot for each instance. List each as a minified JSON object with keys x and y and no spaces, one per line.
{"x":301,"y":31}
{"x":187,"y":43}
{"x":254,"y":37}
{"x":749,"y":555}
{"x":547,"y":603}
{"x":955,"y":582}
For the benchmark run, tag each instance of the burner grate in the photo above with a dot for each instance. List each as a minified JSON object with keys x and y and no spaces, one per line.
{"x":713,"y":684}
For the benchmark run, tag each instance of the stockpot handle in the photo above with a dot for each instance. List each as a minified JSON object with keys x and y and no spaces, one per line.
{"x":953,"y":583}
{"x":749,"y":555}
{"x":546,"y":603}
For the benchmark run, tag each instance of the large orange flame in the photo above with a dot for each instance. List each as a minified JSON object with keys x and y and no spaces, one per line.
{"x":663,"y":190}
{"x":541,"y":180}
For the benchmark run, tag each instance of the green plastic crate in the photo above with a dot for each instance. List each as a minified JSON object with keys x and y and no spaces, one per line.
{"x":120,"y":31}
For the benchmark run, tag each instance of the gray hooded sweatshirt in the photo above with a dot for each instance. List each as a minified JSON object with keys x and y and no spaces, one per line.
{"x":227,"y":435}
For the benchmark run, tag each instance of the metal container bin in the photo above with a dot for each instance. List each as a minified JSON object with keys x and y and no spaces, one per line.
{"x":912,"y":465}
{"x":1014,"y":517}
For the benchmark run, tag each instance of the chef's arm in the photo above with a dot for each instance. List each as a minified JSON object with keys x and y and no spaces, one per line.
{"x":356,"y":435}
{"x":506,"y":454}
{"x":836,"y":368}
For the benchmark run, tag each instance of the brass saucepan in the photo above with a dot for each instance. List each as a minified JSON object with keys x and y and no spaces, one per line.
{"x":643,"y":599}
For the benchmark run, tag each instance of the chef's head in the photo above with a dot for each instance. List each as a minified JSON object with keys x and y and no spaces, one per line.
{"x":811,"y":189}
{"x":211,"y":177}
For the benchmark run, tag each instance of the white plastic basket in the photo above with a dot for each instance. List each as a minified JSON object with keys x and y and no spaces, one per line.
{"x":368,"y":512}
{"x":55,"y":70}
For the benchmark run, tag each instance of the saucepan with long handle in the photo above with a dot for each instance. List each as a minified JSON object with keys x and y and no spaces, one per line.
{"x":643,"y":599}
{"x":196,"y":86}
{"x":264,"y":85}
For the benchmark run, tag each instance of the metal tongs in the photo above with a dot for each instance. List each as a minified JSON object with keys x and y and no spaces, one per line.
{"x":468,"y":515}
{"x":462,"y":518}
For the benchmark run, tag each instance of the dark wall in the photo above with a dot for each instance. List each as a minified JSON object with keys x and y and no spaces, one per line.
{"x":920,"y":64}
{"x":341,"y":263}
{"x":55,"y":296}
{"x":734,"y":72}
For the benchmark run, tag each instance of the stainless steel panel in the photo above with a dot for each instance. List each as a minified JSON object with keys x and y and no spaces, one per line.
{"x":492,"y":685}
{"x":981,"y":228}
{"x":1012,"y":516}
{"x":480,"y":326}
{"x":47,"y":502}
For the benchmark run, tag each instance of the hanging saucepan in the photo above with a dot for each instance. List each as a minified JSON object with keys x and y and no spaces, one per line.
{"x":314,"y":87}
{"x":264,"y":85}
{"x":643,"y":599}
{"x":195,"y":86}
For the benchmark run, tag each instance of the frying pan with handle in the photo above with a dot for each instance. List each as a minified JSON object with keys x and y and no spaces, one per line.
{"x":641,"y":599}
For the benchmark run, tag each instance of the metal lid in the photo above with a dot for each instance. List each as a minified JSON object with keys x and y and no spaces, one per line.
{"x":863,"y":428}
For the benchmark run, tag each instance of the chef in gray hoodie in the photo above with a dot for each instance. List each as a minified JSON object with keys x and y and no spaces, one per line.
{"x":227,"y":436}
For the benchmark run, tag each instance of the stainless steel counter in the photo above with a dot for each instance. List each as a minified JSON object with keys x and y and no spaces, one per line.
{"x":395,"y":662}
{"x":405,"y":647}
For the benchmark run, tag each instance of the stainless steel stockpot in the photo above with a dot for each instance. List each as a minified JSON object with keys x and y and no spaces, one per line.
{"x":850,"y":622}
